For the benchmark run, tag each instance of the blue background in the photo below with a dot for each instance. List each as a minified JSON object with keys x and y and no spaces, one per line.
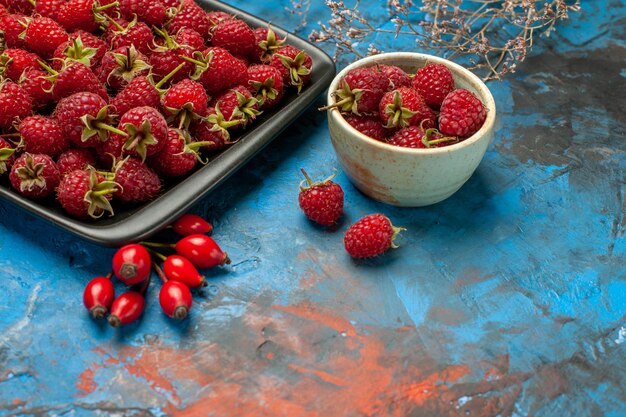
{"x":507,"y":299}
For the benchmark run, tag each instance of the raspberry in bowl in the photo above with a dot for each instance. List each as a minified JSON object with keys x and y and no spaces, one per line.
{"x":424,"y":141}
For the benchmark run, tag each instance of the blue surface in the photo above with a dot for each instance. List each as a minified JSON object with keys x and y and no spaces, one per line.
{"x":507,"y":299}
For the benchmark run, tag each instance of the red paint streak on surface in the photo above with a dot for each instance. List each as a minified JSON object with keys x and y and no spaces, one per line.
{"x":313,"y":313}
{"x":434,"y":384}
{"x":86,"y":383}
{"x":324,"y":376}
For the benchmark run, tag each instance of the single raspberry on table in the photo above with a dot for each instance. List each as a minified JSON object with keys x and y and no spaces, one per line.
{"x":405,"y":106}
{"x":321,"y":202}
{"x":434,"y":82}
{"x":361,"y":90}
{"x":462,"y":114}
{"x":370,"y":236}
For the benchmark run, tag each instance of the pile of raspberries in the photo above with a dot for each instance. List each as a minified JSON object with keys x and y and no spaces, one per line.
{"x":101,"y":101}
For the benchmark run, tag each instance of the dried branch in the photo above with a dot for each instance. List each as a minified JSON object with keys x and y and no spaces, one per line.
{"x":491,"y":37}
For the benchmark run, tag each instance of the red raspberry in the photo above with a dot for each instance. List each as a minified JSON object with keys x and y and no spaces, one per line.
{"x":176,"y":158}
{"x":191,"y":38}
{"x":184,"y":101}
{"x":15,"y":104}
{"x":371,"y":236}
{"x":11,"y":26}
{"x":235,"y":36}
{"x":396,"y":75}
{"x":267,"y":42}
{"x":75,"y":158}
{"x":82,"y":14}
{"x":36,"y":84}
{"x":18,"y":6}
{"x":44,"y":35}
{"x":83,"y":47}
{"x":70,"y":112}
{"x":119,"y":66}
{"x":212,"y":130}
{"x":139,"y":92}
{"x":369,"y":126}
{"x":266,"y":83}
{"x":405,"y":106}
{"x":146,"y":132}
{"x":237,"y":104}
{"x":49,"y":8}
{"x":138,"y":182}
{"x":84,"y":194}
{"x":295,"y":66}
{"x":13,"y":62}
{"x":416,"y":137}
{"x":321,"y":202}
{"x":42,"y":134}
{"x":462,"y":114}
{"x":361,"y":90}
{"x":34,"y":175}
{"x":122,"y":33}
{"x":150,"y":11}
{"x":218,"y":70}
{"x":7,"y":156}
{"x":434,"y":82}
{"x":190,"y":15}
{"x":77,"y":78}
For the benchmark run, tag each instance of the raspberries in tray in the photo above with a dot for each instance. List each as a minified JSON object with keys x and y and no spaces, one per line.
{"x":108,"y":103}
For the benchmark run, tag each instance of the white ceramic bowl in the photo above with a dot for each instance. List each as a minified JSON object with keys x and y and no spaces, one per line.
{"x":406,"y":176}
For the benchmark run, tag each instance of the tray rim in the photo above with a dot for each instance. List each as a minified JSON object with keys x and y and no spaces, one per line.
{"x":153,"y":216}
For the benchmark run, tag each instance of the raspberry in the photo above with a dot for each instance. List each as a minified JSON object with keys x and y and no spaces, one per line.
{"x":416,"y":137}
{"x":434,"y":82}
{"x":396,"y":75}
{"x":405,"y":106}
{"x":321,"y":202}
{"x":34,"y":175}
{"x":361,"y":90}
{"x":369,"y":126}
{"x":462,"y":114}
{"x":370,"y":236}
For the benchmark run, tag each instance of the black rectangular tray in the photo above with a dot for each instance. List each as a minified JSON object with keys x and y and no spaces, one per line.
{"x":137,"y":223}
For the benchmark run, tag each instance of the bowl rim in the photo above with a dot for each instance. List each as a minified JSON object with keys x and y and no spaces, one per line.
{"x":485,"y":93}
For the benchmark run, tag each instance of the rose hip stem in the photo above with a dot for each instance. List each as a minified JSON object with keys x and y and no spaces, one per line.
{"x":159,"y":272}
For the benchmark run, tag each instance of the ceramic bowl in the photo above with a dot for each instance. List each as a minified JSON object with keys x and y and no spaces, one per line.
{"x":405,"y":176}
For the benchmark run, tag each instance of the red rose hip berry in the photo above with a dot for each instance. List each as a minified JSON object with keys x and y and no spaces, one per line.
{"x":98,"y":296}
{"x":131,"y":264}
{"x":371,"y":236}
{"x":178,"y":268}
{"x":321,"y":202}
{"x":126,"y":308}
{"x":175,"y":299}
{"x":202,"y":251}
{"x":191,"y":224}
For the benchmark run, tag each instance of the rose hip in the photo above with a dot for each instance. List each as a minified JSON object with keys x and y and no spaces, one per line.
{"x":202,"y":251}
{"x":98,"y":296}
{"x":191,"y":224}
{"x":178,"y":268}
{"x":126,"y":308}
{"x":131,"y":264}
{"x":175,"y":299}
